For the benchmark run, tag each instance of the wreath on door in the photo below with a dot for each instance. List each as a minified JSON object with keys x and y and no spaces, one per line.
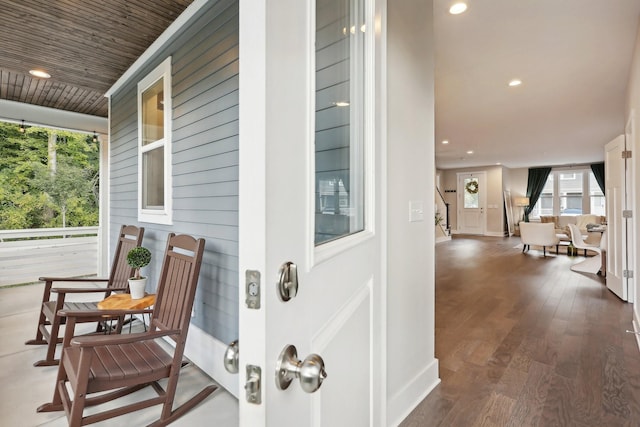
{"x":471,"y":187}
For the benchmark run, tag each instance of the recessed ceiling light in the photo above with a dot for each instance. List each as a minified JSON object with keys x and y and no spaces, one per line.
{"x":515,"y":82}
{"x":457,"y":8}
{"x":40,"y":73}
{"x":445,"y":142}
{"x":470,"y":152}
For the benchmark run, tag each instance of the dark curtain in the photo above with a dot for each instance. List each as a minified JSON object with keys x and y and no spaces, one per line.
{"x":535,"y":183}
{"x":598,"y":172}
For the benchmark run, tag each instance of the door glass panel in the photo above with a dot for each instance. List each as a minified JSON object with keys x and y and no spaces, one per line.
{"x":471,"y":189}
{"x":339,"y":133}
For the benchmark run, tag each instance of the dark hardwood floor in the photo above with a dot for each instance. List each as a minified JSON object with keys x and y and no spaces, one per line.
{"x":524,"y":341}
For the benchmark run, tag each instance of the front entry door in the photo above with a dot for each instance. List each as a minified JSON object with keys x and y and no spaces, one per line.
{"x":471,"y":203}
{"x":310,"y":208}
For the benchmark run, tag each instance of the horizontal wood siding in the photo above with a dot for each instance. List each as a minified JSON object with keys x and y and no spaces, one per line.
{"x":204,"y":160}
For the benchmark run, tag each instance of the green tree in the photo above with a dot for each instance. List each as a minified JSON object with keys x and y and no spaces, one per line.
{"x":69,"y":187}
{"x":31,"y":196}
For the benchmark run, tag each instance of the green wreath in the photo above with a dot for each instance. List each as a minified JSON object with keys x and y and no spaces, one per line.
{"x":471,"y":187}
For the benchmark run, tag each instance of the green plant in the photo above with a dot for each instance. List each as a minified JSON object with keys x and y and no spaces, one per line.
{"x":137,"y":258}
{"x":439,"y":219}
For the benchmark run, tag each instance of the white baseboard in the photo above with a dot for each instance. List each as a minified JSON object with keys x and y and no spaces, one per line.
{"x":488,"y":233}
{"x":408,"y":398}
{"x":443,"y":239}
{"x":636,"y":328}
{"x":495,"y":233}
{"x":208,"y":353}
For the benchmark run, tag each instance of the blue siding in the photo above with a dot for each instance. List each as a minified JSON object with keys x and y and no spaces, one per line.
{"x":204,"y":159}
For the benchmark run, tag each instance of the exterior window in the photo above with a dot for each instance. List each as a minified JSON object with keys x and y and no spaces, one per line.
{"x":596,"y":196}
{"x":570,"y":187}
{"x":154,"y":146}
{"x":339,"y":119}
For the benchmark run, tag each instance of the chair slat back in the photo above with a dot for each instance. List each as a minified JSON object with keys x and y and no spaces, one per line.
{"x":130,"y":236}
{"x":177,"y":284}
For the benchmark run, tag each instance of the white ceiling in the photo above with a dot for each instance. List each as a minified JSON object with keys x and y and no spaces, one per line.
{"x":574,"y":58}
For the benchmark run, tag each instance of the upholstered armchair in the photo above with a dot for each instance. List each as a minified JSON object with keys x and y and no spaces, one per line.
{"x":538,"y":234}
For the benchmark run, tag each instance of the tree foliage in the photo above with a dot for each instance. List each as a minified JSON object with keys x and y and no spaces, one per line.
{"x":47,"y":185}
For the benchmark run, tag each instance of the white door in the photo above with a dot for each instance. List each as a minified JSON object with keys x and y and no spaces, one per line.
{"x":616,"y":224}
{"x":471,"y":203}
{"x":310,"y":162}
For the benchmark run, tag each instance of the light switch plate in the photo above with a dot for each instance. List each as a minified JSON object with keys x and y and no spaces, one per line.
{"x":416,"y":210}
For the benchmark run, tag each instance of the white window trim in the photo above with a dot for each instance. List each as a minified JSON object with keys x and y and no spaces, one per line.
{"x":164,"y":216}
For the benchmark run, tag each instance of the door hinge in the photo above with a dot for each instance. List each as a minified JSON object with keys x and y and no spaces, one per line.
{"x":626,"y":154}
{"x":627,"y":213}
{"x":627,"y":274}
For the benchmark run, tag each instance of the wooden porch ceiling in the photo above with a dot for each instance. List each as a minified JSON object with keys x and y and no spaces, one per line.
{"x":85,"y":46}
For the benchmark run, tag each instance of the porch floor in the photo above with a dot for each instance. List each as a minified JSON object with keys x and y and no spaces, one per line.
{"x":24,"y":387}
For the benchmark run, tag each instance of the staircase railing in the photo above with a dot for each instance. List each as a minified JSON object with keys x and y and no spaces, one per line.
{"x":442,"y":213}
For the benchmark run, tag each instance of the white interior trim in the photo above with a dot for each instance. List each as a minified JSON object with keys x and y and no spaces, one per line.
{"x":415,"y":391}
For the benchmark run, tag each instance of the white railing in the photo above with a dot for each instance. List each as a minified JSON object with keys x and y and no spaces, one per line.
{"x":26,"y":255}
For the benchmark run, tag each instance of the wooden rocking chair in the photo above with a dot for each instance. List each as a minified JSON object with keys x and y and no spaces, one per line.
{"x":122,"y":364}
{"x":130,"y":237}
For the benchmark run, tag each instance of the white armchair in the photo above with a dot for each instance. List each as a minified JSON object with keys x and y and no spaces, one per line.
{"x":538,"y":234}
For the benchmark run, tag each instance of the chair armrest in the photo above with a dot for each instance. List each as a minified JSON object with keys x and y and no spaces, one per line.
{"x":72,"y":279}
{"x":94,"y":313}
{"x":96,"y":341}
{"x":78,"y":290}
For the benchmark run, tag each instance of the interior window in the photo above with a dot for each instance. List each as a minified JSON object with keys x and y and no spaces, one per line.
{"x":570,"y":193}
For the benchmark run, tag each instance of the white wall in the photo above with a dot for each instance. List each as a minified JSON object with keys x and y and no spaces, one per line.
{"x":633,"y":107}
{"x":412,"y":370}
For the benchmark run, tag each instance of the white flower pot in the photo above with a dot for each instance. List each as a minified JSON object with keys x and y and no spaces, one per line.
{"x":136,"y":287}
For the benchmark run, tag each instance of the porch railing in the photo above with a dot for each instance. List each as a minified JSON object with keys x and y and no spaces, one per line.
{"x":26,"y":255}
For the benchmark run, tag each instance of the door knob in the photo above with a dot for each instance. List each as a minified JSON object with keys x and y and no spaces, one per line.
{"x":310,"y":371}
{"x":231,"y":355}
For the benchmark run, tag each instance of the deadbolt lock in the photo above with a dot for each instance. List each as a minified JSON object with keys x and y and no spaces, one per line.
{"x":288,"y":281}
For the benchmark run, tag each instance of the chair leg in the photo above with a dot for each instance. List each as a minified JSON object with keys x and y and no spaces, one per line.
{"x":544,"y":251}
{"x":39,"y":339}
{"x":56,"y":402}
{"x":50,"y":358}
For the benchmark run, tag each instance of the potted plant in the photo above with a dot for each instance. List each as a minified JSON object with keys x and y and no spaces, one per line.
{"x":137,"y":258}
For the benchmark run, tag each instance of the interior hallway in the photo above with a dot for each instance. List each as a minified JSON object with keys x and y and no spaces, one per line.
{"x":524,"y":341}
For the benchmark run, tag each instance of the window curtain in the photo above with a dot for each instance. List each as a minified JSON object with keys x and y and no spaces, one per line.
{"x":535,"y":183}
{"x":598,"y":172}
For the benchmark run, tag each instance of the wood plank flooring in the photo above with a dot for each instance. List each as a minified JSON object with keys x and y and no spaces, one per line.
{"x":524,"y":341}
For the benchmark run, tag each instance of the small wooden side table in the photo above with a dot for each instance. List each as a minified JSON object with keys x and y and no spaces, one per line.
{"x":124,"y":302}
